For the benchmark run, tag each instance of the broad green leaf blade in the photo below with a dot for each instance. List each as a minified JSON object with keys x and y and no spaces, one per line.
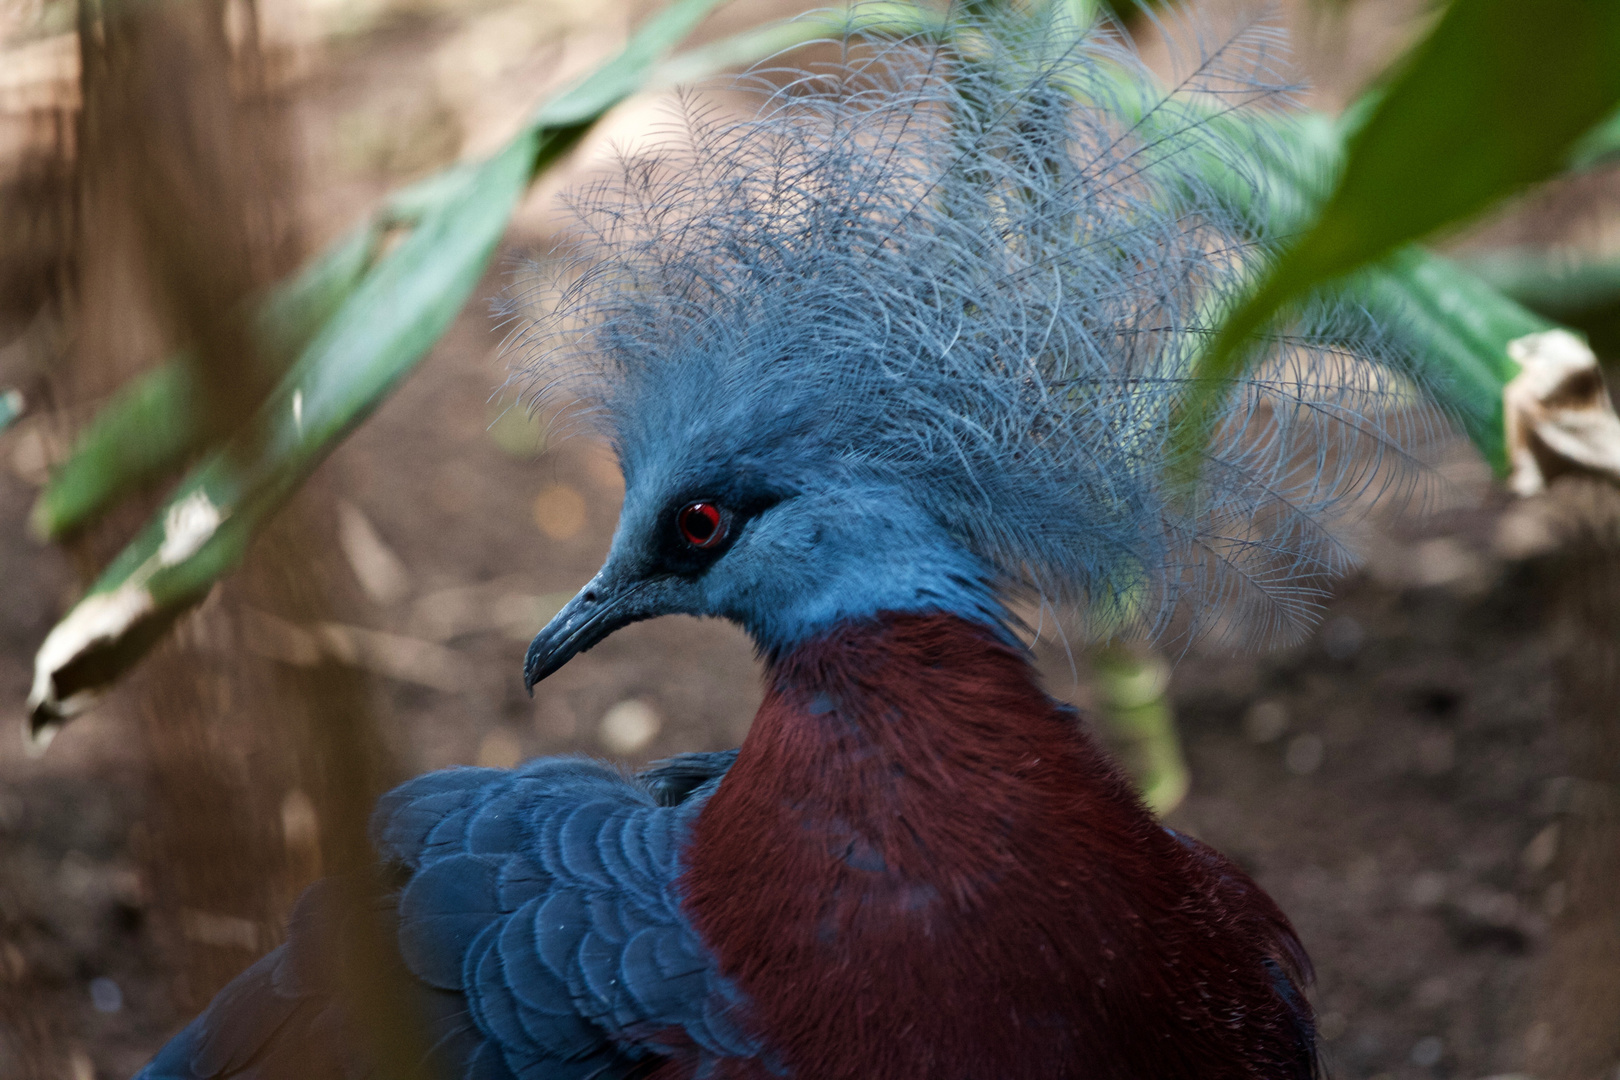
{"x":1583,"y":294}
{"x":1460,"y":326}
{"x":153,"y":425}
{"x":295,"y":311}
{"x":1494,"y":99}
{"x":392,"y":318}
{"x":1457,"y":325}
{"x":1491,"y":102}
{"x":626,"y":73}
{"x":1599,"y":146}
{"x":143,"y":434}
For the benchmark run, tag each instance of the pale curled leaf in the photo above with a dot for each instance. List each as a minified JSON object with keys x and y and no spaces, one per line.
{"x":1560,"y":418}
{"x":97,"y":621}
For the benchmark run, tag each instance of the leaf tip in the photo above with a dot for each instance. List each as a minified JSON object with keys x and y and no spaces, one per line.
{"x":72,"y":668}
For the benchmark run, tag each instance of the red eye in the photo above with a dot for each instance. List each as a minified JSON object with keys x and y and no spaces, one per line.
{"x":701,"y":524}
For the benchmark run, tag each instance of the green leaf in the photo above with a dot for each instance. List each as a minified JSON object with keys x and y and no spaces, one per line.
{"x":151,"y":428}
{"x":1457,"y":324}
{"x":294,"y":312}
{"x":1493,"y":100}
{"x":1599,"y":146}
{"x":1580,"y":293}
{"x":154,"y":424}
{"x":148,"y":428}
{"x":1460,"y":327}
{"x":395,"y":314}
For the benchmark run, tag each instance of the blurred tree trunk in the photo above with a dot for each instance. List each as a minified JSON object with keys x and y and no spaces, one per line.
{"x":186,"y":214}
{"x":260,"y":772}
{"x":1576,"y":1033}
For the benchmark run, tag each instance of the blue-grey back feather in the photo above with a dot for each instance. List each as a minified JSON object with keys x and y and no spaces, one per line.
{"x":980,"y":274}
{"x":540,"y":930}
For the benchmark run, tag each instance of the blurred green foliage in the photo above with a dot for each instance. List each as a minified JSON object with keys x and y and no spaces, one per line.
{"x":1496,"y":97}
{"x":1583,"y":294}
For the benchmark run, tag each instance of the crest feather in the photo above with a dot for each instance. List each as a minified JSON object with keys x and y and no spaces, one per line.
{"x":980,"y":272}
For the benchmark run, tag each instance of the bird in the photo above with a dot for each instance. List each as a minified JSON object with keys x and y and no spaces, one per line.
{"x":890,"y":364}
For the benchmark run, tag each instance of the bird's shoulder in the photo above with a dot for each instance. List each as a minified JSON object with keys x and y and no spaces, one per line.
{"x":547,"y":895}
{"x":538,"y":922}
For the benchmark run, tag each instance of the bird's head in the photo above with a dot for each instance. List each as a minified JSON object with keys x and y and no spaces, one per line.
{"x":768,"y":532}
{"x":910,"y":340}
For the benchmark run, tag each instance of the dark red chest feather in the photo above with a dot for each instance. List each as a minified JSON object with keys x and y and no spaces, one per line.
{"x":920,"y":867}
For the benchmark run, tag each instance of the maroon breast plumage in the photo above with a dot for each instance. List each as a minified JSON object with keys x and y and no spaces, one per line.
{"x":921,"y":866}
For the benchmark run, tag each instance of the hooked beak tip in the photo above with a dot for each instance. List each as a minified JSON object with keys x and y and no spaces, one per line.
{"x":535,"y":662}
{"x":585,"y":620}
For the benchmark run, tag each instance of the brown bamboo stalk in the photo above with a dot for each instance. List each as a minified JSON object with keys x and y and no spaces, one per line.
{"x":1576,"y":1031}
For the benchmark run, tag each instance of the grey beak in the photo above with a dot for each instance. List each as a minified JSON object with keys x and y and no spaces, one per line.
{"x":607,"y":603}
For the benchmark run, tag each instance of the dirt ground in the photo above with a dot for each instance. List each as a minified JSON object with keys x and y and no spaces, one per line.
{"x":1400,"y":782}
